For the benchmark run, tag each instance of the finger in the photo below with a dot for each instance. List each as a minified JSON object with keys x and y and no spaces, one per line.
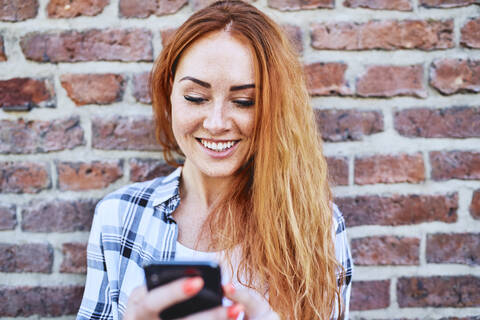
{"x":167,"y":295}
{"x":254,"y":306}
{"x":218,"y":313}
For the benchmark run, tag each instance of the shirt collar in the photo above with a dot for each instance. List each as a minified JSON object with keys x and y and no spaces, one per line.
{"x":168,"y":189}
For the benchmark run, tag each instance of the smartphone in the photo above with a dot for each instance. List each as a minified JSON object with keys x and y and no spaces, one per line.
{"x":209,"y":297}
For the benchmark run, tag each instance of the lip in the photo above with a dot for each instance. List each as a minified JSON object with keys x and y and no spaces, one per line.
{"x":218,"y":154}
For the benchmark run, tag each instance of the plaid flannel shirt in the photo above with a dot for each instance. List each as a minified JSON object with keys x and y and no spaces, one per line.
{"x":133,"y":227}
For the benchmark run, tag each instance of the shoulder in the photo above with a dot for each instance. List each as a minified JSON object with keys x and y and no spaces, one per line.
{"x":338,"y":220}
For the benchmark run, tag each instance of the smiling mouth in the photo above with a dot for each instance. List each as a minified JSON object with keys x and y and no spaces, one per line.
{"x":218,"y":146}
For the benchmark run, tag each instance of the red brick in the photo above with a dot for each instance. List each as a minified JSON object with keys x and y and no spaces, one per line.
{"x":31,"y":257}
{"x":461,"y":165}
{"x":75,"y":8}
{"x":398,"y":209}
{"x":324,"y":79}
{"x":147,"y":169}
{"x":456,"y":122}
{"x":385,"y":250}
{"x":450,"y":76}
{"x":386,"y":35}
{"x":348,"y":125}
{"x":294,"y":5}
{"x":457,"y":292}
{"x":90,"y":45}
{"x":390,"y":81}
{"x":23,"y":94}
{"x":18,"y":10}
{"x":44,"y":301}
{"x":471,"y":34}
{"x":294,"y":34}
{"x":475,"y":205}
{"x":3,"y":57}
{"x":123,"y":133}
{"x":74,"y":258}
{"x":8,"y":217}
{"x":390,"y":169}
{"x":454,"y":248}
{"x":24,"y":177}
{"x":338,"y":170}
{"x":93,"y":88}
{"x":369,"y":295}
{"x":145,"y":8}
{"x":401,"y":5}
{"x":37,"y":136}
{"x":58,"y":215}
{"x":141,"y":89}
{"x":79,"y":176}
{"x":445,"y":3}
{"x":166,"y":35}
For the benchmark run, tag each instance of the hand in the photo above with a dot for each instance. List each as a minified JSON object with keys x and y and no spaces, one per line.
{"x":146,"y":305}
{"x":255,"y":308}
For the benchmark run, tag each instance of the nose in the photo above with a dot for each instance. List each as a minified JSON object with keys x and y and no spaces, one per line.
{"x":216,"y":120}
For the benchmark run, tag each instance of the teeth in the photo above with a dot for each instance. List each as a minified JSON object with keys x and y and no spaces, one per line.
{"x":221,"y":146}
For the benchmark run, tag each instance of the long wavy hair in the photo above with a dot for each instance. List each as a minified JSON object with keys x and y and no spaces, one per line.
{"x":278,"y":211}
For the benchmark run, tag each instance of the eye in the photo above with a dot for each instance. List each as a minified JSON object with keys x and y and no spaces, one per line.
{"x":196,"y":100}
{"x":244,"y":103}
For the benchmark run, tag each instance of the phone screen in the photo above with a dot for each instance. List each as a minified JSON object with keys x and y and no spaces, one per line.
{"x":209,"y":297}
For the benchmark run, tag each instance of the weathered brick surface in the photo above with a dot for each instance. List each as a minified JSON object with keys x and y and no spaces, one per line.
{"x":398,"y":209}
{"x":348,"y":125}
{"x":44,"y":301}
{"x":79,"y":176}
{"x":31,"y":257}
{"x":455,"y":165}
{"x":24,"y":177}
{"x":390,"y":169}
{"x":147,"y":169}
{"x":294,"y":5}
{"x":385,"y":250}
{"x":475,"y":205}
{"x":456,"y":122}
{"x":74,"y":258}
{"x":38,"y":136}
{"x":23,"y":94}
{"x":454,"y":248}
{"x":8,"y":217}
{"x":386,"y":35}
{"x":90,"y":45}
{"x":18,"y":10}
{"x":450,"y":76}
{"x":58,"y":215}
{"x":3,"y":57}
{"x":93,"y":88}
{"x":166,"y":34}
{"x":294,"y":34}
{"x":145,"y":8}
{"x":402,"y":5}
{"x":123,"y":133}
{"x":325,"y":79}
{"x":457,"y":291}
{"x":141,"y":90}
{"x":471,"y":34}
{"x":75,"y":8}
{"x":390,"y":81}
{"x":369,"y":295}
{"x":446,"y":3}
{"x":338,"y":170}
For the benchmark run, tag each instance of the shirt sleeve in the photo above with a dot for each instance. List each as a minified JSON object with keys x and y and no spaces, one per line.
{"x":343,"y":255}
{"x":97,"y":299}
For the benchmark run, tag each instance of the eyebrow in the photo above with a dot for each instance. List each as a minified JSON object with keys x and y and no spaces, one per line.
{"x":208,"y":85}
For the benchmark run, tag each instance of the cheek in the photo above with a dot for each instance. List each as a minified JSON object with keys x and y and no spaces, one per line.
{"x":246,"y":123}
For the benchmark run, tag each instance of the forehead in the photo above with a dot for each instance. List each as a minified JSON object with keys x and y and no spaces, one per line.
{"x":218,"y":53}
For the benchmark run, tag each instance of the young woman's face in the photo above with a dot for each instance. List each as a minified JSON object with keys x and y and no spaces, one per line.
{"x":213,"y":104}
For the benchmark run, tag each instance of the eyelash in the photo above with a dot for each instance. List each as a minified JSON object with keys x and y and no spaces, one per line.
{"x":241,"y":103}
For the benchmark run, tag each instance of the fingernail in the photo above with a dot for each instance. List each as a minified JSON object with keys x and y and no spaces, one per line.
{"x":230,"y":288}
{"x":234,"y":311}
{"x":192,"y":285}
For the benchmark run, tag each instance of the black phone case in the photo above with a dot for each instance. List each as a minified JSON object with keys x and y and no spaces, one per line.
{"x":209,"y":297}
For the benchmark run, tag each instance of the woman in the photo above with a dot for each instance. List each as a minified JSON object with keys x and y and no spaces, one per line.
{"x":229,"y":96}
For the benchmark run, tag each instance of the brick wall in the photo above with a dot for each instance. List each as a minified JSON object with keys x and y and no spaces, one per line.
{"x":395,"y":85}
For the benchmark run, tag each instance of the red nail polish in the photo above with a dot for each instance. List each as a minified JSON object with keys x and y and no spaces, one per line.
{"x":234,"y":311}
{"x":192,"y":285}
